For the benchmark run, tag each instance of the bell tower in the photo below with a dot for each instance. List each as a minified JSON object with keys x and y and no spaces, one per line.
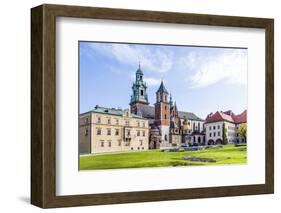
{"x":162,"y":112}
{"x":139,"y":95}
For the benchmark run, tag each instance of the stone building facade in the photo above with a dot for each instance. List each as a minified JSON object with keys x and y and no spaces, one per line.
{"x":105,"y":130}
{"x":221,"y":127}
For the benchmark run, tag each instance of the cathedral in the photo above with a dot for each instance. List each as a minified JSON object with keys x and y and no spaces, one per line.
{"x":168,"y":126}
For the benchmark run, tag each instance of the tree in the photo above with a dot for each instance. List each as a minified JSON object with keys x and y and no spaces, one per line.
{"x":242,"y":131}
{"x":224,"y":137}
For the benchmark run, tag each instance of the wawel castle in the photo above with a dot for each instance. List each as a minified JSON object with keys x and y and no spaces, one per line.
{"x":152,"y":126}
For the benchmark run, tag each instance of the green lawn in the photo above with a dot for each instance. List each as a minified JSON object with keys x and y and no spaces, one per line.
{"x":155,"y":158}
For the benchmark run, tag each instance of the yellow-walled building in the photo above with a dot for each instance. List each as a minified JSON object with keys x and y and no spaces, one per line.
{"x":112,"y":130}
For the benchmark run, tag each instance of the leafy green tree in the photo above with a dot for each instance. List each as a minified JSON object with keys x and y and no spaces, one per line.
{"x":224,"y":137}
{"x":242,"y":131}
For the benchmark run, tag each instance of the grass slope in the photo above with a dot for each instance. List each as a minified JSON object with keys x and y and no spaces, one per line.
{"x":155,"y":158}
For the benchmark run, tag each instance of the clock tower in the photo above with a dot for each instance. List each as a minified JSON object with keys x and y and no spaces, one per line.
{"x":139,"y":96}
{"x":162,"y":113}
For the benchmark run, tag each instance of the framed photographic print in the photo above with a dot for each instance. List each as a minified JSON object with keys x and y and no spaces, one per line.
{"x":137,"y":106}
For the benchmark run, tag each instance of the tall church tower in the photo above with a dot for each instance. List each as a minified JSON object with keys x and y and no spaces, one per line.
{"x":162,"y":113}
{"x":139,"y":96}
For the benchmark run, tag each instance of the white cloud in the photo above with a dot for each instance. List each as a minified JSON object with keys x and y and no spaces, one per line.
{"x":152,"y":81}
{"x":202,"y":66}
{"x":152,"y":59}
{"x":229,"y":66}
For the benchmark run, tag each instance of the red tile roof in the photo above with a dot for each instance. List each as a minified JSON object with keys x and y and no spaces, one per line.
{"x":241,"y":118}
{"x":227,"y":116}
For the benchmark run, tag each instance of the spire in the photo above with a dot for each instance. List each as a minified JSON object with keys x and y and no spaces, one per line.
{"x":175,"y":104}
{"x":139,"y":71}
{"x":171,"y":101}
{"x":162,"y":88}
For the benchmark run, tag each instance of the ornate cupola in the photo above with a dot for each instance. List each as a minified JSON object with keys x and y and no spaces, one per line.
{"x":139,"y":95}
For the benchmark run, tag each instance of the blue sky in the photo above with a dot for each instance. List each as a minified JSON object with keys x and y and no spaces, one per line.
{"x":201,"y":79}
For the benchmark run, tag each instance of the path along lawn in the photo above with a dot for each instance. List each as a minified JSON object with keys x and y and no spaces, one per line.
{"x":229,"y":154}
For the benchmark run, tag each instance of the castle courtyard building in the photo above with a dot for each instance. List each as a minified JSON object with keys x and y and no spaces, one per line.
{"x":221,"y":127}
{"x":105,"y":130}
{"x":157,"y":126}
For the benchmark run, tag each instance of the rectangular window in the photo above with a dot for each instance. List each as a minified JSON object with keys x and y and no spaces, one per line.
{"x":102,"y":143}
{"x":143,"y":133}
{"x":219,"y":134}
{"x":143,"y":124}
{"x":116,"y":131}
{"x":98,"y":131}
{"x":87,"y":120}
{"x":138,"y":124}
{"x":214,"y":127}
{"x":210,"y":128}
{"x":218,"y":126}
{"x":109,"y":143}
{"x":127,"y":123}
{"x":108,"y":131}
{"x":141,"y":142}
{"x":119,"y":142}
{"x":214,"y":134}
{"x":210,"y":134}
{"x":138,"y":133}
{"x":128,"y":132}
{"x":99,"y":120}
{"x":86,"y":132}
{"x":117,"y":122}
{"x":109,"y":121}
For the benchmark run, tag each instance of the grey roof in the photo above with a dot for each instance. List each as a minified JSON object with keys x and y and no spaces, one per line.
{"x":189,"y":116}
{"x":162,"y":88}
{"x":105,"y":110}
{"x":149,"y":112}
{"x":111,"y":111}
